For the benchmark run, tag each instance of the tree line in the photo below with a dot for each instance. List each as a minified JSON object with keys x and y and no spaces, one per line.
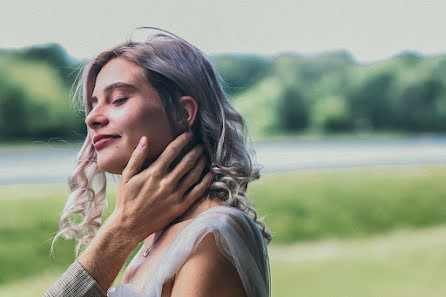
{"x":332,"y":93}
{"x":288,"y":93}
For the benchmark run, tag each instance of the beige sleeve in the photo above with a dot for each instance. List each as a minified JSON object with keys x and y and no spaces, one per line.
{"x":75,"y":282}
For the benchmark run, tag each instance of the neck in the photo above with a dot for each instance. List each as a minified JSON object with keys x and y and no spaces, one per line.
{"x":197,"y":207}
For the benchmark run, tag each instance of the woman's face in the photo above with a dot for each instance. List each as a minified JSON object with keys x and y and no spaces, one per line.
{"x":125,"y":107}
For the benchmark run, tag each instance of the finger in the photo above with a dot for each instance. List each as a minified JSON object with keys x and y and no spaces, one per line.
{"x":186,"y":164}
{"x":193,"y":176}
{"x":137,"y":159}
{"x":173,"y":150}
{"x":197,"y":191}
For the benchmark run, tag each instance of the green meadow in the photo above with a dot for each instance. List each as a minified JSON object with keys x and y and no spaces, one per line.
{"x":351,"y":232}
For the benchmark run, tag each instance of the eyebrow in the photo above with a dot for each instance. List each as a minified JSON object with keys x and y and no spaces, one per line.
{"x":118,"y":85}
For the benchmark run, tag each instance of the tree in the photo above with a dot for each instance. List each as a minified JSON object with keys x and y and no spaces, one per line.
{"x":241,"y":72}
{"x":292,"y":111}
{"x":418,"y":107}
{"x":12,"y":113}
{"x":372,"y":101}
{"x":331,"y":114}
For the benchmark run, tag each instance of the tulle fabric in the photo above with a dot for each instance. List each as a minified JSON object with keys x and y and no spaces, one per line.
{"x":239,"y":240}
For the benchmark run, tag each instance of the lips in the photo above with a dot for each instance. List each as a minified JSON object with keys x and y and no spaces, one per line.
{"x":102,"y":139}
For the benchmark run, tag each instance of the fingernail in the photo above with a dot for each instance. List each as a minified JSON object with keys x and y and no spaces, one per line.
{"x":143,"y":142}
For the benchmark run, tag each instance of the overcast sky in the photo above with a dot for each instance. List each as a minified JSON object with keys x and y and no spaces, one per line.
{"x":371,"y":30}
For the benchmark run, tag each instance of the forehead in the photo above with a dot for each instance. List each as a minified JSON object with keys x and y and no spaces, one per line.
{"x":119,"y":70}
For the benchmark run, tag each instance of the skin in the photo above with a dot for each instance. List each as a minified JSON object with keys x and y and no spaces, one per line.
{"x":144,"y":205}
{"x":126,"y":112}
{"x":125,"y":105}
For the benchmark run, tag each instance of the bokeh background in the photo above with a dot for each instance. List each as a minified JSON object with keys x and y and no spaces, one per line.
{"x":345,"y":103}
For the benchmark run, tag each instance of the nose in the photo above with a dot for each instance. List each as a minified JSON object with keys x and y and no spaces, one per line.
{"x":96,"y":118}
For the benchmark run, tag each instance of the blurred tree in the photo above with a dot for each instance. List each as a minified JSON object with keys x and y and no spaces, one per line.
{"x":418,"y":107}
{"x":57,"y":57}
{"x":240,"y":72}
{"x":288,"y":68}
{"x":372,"y":101}
{"x":331,"y":114}
{"x":287,"y":93}
{"x":34,"y":102}
{"x":293,"y":113}
{"x":12,"y":113}
{"x":408,"y":58}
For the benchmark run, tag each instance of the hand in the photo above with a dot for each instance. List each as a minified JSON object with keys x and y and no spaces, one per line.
{"x":149,"y":200}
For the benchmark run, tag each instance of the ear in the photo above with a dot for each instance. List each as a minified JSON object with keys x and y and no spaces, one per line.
{"x":191,"y":107}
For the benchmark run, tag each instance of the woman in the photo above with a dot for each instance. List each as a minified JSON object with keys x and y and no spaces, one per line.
{"x":154,"y":91}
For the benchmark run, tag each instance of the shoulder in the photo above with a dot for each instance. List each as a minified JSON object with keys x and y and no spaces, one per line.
{"x":207,"y":272}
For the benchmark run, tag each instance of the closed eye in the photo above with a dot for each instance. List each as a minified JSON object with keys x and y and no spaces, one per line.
{"x":120,"y":100}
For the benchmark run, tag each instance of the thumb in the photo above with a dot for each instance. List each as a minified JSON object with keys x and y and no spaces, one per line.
{"x":137,"y":159}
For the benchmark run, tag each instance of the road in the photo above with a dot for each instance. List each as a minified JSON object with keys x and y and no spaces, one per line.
{"x":54,"y":165}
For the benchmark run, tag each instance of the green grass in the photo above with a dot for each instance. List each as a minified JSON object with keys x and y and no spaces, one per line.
{"x":404,"y":263}
{"x":29,"y":220}
{"x":350,"y":202}
{"x":299,"y":207}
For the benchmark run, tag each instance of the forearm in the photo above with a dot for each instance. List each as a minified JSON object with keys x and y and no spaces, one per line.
{"x":106,"y":254}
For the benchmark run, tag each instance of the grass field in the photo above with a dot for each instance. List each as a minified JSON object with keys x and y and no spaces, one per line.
{"x":404,"y":263}
{"x":330,"y":232}
{"x":350,"y":202}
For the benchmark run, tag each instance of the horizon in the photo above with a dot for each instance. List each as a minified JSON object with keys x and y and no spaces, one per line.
{"x":345,"y":52}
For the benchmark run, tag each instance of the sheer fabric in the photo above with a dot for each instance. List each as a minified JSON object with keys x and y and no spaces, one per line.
{"x":239,"y":240}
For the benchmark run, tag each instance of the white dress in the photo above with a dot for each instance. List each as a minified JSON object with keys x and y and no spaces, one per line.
{"x":236,"y":235}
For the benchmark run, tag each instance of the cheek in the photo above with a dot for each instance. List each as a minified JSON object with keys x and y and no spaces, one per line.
{"x":129,"y":126}
{"x":152,"y":123}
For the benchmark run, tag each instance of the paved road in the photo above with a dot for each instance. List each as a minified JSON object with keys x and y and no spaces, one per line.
{"x":54,"y":165}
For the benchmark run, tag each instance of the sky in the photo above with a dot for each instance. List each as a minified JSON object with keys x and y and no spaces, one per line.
{"x":370,"y":30}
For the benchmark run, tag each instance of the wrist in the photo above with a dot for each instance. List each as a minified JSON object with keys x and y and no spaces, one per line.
{"x":120,"y":230}
{"x":106,"y":254}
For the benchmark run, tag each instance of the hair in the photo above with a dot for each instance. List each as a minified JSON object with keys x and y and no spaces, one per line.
{"x":175,"y":68}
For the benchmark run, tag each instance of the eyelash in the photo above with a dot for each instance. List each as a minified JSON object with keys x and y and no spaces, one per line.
{"x":120,"y":100}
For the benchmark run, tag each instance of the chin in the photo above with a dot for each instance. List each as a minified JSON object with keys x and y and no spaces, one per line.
{"x":114,"y":171}
{"x":112,"y":166}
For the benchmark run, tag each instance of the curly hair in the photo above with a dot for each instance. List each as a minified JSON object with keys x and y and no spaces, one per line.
{"x":175,"y":68}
